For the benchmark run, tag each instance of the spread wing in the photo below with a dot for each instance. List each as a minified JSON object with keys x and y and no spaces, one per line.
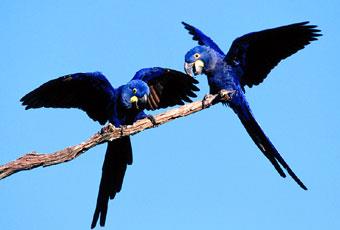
{"x":202,"y":38}
{"x":259,"y":52}
{"x":167,"y":87}
{"x":90,"y":92}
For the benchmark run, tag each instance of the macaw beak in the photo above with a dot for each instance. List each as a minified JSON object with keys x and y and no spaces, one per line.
{"x":134,"y":101}
{"x":194,"y":68}
{"x":143,"y":100}
{"x":139,"y":102}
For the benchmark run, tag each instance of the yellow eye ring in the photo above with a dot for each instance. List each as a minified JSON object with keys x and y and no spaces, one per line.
{"x":197,"y":55}
{"x":134,"y":90}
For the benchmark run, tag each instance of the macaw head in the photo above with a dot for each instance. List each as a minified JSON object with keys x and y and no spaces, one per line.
{"x":135,"y":95}
{"x":200,"y":59}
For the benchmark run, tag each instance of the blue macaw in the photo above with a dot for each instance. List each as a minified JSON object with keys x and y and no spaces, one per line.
{"x":150,"y":88}
{"x":249,"y":60}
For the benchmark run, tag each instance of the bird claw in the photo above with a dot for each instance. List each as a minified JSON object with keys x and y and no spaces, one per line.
{"x":109,"y":128}
{"x":152,"y":119}
{"x":226,"y":95}
{"x":122,"y":127}
{"x":205,"y":101}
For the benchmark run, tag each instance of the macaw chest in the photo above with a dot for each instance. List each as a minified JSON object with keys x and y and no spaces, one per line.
{"x":122,"y":117}
{"x":222,"y":80}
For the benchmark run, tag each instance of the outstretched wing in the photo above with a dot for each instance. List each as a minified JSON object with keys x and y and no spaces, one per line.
{"x":167,"y":87}
{"x":259,"y":52}
{"x":202,"y":38}
{"x":90,"y":92}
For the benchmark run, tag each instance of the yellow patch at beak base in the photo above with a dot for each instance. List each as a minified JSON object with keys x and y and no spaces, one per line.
{"x":134,"y":99}
{"x":198,"y":66}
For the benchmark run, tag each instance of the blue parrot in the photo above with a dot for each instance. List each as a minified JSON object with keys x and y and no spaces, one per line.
{"x":248,"y":62}
{"x":150,"y":88}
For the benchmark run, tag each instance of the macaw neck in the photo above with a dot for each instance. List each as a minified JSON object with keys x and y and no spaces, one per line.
{"x":212,"y":61}
{"x":214,"y":65}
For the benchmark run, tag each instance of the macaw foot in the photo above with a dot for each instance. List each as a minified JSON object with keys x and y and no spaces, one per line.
{"x":152,"y":119}
{"x":109,"y":128}
{"x":226,"y":95}
{"x":122,"y":127}
{"x":205,"y":101}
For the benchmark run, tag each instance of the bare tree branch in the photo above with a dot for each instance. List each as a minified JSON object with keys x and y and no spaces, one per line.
{"x":108,"y":133}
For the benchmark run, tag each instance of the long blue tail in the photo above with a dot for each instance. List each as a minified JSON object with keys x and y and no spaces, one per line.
{"x":263,"y":143}
{"x":118,"y":156}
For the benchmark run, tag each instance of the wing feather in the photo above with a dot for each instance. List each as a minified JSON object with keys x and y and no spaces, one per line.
{"x":167,"y":87}
{"x":90,"y":92}
{"x":259,"y":52}
{"x":202,"y":38}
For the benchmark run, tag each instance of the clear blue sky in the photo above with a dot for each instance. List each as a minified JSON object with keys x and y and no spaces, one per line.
{"x":200,"y":172}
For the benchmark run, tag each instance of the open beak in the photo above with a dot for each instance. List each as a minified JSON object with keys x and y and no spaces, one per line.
{"x":194,"y":68}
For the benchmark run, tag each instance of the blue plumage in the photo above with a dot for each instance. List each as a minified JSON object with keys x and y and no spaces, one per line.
{"x":151,"y":88}
{"x":249,"y":60}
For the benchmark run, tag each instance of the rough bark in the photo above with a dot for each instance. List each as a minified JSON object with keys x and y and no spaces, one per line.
{"x":107,"y":133}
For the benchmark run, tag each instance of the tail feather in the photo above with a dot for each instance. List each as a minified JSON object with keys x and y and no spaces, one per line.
{"x":264,"y":144}
{"x":118,"y":156}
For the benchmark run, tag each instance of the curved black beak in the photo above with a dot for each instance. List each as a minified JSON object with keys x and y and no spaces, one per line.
{"x":189,"y":68}
{"x":194,"y":68}
{"x":143,"y":100}
{"x":139,"y":102}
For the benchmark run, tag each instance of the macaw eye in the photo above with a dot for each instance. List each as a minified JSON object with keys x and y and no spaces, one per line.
{"x":197,"y":55}
{"x":134,"y":90}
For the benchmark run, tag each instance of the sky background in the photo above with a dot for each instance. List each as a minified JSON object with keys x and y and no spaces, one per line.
{"x":198,"y":172}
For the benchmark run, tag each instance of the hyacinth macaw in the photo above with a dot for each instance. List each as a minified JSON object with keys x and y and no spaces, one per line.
{"x":150,"y":88}
{"x":248,"y":62}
